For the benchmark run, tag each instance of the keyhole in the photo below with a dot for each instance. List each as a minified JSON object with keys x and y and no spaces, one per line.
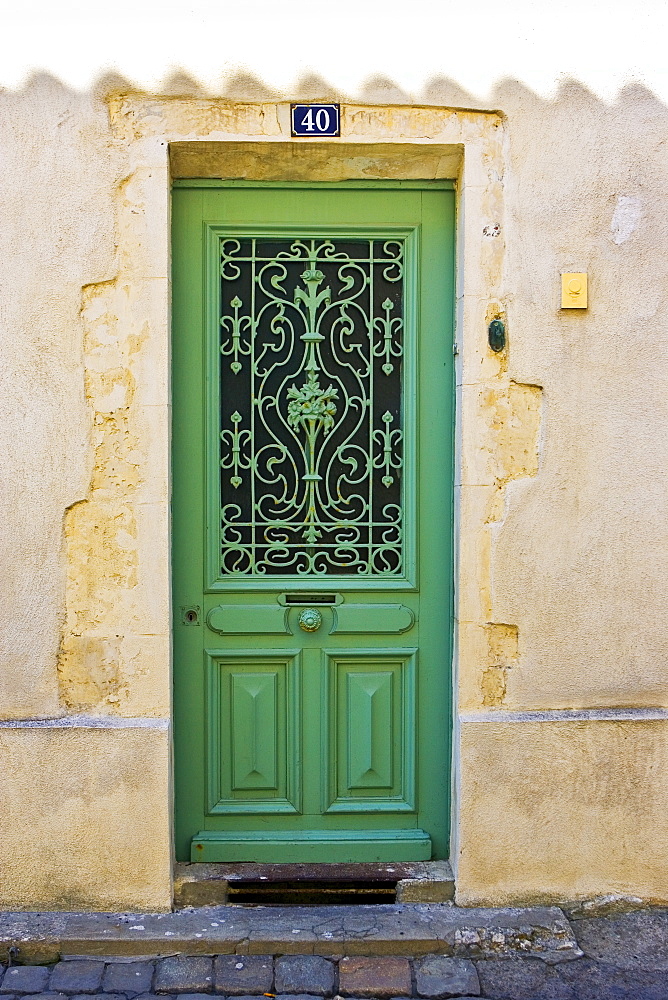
{"x":190,"y":616}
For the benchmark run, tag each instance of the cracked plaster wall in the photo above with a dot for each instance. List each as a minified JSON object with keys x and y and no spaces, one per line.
{"x":581,"y":556}
{"x":56,"y":235}
{"x":84,"y":621}
{"x":571,"y":555}
{"x":561,"y":472}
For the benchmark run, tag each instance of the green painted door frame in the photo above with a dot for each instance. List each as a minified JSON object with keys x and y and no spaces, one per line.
{"x":312,"y":365}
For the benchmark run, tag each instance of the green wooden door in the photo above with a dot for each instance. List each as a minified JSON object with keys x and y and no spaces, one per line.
{"x":312,"y":520}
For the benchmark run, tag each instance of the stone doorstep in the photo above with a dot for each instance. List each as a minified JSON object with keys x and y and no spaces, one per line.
{"x":209,"y":884}
{"x":409,"y":930}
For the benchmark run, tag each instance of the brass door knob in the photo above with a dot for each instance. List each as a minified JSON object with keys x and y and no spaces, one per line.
{"x":310,"y":620}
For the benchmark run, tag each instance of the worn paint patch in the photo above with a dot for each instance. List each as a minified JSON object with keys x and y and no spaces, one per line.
{"x":515,"y":420}
{"x":625,"y":218}
{"x":512,"y":412}
{"x":101,"y":531}
{"x":502,"y":644}
{"x":134,"y":117}
{"x":493,"y":687}
{"x":502,"y":656}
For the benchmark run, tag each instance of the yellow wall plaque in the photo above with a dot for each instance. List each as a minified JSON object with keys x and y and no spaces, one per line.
{"x":574,"y":291}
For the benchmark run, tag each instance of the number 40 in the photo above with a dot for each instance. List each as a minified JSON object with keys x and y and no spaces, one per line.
{"x":321,"y":122}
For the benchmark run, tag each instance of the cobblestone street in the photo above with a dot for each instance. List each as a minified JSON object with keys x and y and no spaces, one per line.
{"x":623,"y":957}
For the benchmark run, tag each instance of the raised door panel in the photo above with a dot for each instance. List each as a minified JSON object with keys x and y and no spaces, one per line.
{"x":369,"y":721}
{"x":248,"y":619}
{"x":369,"y":732}
{"x":372,"y":619}
{"x":253,"y":732}
{"x":254,"y":711}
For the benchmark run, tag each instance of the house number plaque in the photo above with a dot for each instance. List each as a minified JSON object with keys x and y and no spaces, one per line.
{"x":311,"y":120}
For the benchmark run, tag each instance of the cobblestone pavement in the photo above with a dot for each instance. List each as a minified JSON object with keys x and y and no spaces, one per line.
{"x":306,"y":977}
{"x":621,"y":957}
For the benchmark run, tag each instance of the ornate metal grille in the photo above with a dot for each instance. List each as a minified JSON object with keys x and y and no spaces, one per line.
{"x":311,"y":439}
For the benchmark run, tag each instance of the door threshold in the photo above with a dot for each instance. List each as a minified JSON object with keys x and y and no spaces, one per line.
{"x":250,"y":884}
{"x":300,"y":846}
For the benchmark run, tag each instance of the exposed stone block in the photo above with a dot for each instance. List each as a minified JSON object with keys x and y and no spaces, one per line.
{"x":629,"y":941}
{"x":25,"y":979}
{"x":101,"y":996}
{"x":243,"y":974}
{"x":304,"y":974}
{"x":384,"y":976}
{"x":292,"y":996}
{"x":128,"y":977}
{"x":76,"y":977}
{"x":46,"y":996}
{"x":590,"y":980}
{"x":183,"y":975}
{"x":522,"y":979}
{"x":439,"y":976}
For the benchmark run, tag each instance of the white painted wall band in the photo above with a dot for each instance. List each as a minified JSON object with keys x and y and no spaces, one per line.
{"x":557,"y":715}
{"x":570,"y":715}
{"x":85,"y":722}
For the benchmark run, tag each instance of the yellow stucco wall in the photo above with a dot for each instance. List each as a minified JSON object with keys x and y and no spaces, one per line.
{"x":563,"y":810}
{"x":85,"y":818}
{"x":561,"y":491}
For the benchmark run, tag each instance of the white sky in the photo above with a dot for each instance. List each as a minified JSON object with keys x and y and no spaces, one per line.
{"x":475,"y":42}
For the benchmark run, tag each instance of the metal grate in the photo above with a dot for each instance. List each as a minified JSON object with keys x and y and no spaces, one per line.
{"x":311,"y":432}
{"x":312,"y":893}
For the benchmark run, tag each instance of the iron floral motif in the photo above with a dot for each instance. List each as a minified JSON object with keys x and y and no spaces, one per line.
{"x":313,"y":410}
{"x":236,"y":325}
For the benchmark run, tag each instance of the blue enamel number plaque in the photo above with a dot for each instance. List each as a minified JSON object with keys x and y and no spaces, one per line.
{"x":313,"y":120}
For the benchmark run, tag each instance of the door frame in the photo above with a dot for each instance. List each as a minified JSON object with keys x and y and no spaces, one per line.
{"x":387,"y":185}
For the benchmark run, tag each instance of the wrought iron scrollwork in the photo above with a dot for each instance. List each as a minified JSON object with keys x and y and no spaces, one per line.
{"x":311,"y":406}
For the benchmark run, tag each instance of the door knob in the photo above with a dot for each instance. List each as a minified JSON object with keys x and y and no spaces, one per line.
{"x":310,"y":620}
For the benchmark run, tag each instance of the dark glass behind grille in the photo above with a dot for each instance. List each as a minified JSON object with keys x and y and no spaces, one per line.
{"x":268,"y":524}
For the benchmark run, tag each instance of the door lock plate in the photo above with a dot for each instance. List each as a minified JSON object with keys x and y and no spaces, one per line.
{"x":191,"y":615}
